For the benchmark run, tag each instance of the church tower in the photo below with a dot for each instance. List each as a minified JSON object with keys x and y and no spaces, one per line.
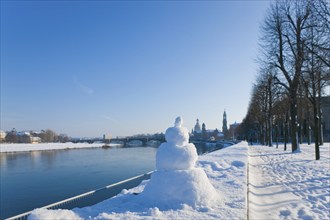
{"x":224,"y":123}
{"x":197,"y":126}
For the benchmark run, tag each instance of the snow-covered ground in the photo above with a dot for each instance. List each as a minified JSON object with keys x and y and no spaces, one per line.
{"x":285,"y":185}
{"x":226,"y":170}
{"x":282,"y":185}
{"x":6,"y":148}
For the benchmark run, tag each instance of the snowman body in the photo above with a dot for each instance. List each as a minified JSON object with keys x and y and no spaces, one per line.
{"x":177,"y":181}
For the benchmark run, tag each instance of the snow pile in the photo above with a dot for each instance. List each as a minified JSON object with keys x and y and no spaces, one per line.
{"x":58,"y":214}
{"x":176,"y":180}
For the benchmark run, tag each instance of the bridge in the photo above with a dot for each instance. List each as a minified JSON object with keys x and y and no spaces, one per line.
{"x":153,"y":141}
{"x":143,"y":140}
{"x":123,"y":140}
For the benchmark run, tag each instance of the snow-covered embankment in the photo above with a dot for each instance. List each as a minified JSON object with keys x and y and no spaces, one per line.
{"x":226,"y":170}
{"x":282,"y":185}
{"x":12,"y":148}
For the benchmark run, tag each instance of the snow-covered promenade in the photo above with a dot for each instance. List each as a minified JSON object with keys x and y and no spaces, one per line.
{"x":281,"y":185}
{"x":285,"y":185}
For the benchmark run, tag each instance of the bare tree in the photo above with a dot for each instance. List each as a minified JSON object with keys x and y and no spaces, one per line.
{"x":48,"y":136}
{"x":11,"y":136}
{"x":283,"y":45}
{"x":316,"y":69}
{"x":295,"y":55}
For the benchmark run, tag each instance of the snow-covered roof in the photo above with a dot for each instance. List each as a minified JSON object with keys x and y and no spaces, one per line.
{"x":22,"y":133}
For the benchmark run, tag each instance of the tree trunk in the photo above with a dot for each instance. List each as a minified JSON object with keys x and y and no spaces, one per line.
{"x":286,"y":131}
{"x":261,"y":135}
{"x":276,"y":135}
{"x":316,"y":133}
{"x":265,"y":134}
{"x":293,"y":121}
{"x":270,"y":129}
{"x":299,"y":134}
{"x":320,"y":130}
{"x":309,"y":135}
{"x":319,"y":91}
{"x":309,"y":128}
{"x":270,"y":110}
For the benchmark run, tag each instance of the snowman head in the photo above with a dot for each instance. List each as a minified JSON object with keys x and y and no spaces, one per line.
{"x":177,"y":135}
{"x":178,"y":122}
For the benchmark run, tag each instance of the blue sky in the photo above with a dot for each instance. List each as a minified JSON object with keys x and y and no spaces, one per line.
{"x":86,"y":68}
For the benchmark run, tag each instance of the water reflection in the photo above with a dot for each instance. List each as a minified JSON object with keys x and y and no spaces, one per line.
{"x":28,"y":159}
{"x":34,"y":179}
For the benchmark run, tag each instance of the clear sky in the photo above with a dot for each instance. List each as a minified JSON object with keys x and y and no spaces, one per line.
{"x":86,"y":68}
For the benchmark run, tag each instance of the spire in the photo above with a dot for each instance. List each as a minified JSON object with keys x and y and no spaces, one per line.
{"x":224,"y":122}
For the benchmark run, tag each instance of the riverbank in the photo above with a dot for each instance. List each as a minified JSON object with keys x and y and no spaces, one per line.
{"x":255,"y":182}
{"x":12,"y":148}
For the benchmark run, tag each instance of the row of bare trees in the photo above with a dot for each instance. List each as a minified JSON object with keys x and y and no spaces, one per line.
{"x":294,"y":74}
{"x":46,"y":136}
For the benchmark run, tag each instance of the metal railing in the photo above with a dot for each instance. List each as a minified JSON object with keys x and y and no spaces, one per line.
{"x":92,"y":197}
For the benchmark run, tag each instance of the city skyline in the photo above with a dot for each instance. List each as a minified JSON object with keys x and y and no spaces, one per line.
{"x":59,"y":133}
{"x":89,"y":68}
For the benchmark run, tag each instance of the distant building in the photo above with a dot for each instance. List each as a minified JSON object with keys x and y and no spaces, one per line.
{"x":26,"y":137}
{"x":214,"y":134}
{"x":206,"y":134}
{"x":197,"y":127}
{"x":35,"y":140}
{"x":2,"y":136}
{"x":224,"y":123}
{"x":232,"y":130}
{"x":203,"y":128}
{"x":325,"y":107}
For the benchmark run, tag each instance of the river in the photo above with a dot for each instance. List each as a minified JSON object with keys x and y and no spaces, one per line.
{"x":34,"y":179}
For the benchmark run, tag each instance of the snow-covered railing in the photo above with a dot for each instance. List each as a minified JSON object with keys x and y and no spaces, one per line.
{"x":91,"y":197}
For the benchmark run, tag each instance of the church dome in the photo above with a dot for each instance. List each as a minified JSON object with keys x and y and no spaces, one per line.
{"x":197,"y":126}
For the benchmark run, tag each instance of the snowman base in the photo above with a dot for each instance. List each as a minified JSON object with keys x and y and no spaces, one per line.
{"x":170,"y":189}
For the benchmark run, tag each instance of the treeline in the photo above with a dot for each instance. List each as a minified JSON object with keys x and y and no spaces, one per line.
{"x":294,"y":73}
{"x":44,"y":136}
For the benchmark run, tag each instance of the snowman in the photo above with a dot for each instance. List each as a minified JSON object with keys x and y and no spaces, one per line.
{"x":177,"y":180}
{"x":176,"y":153}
